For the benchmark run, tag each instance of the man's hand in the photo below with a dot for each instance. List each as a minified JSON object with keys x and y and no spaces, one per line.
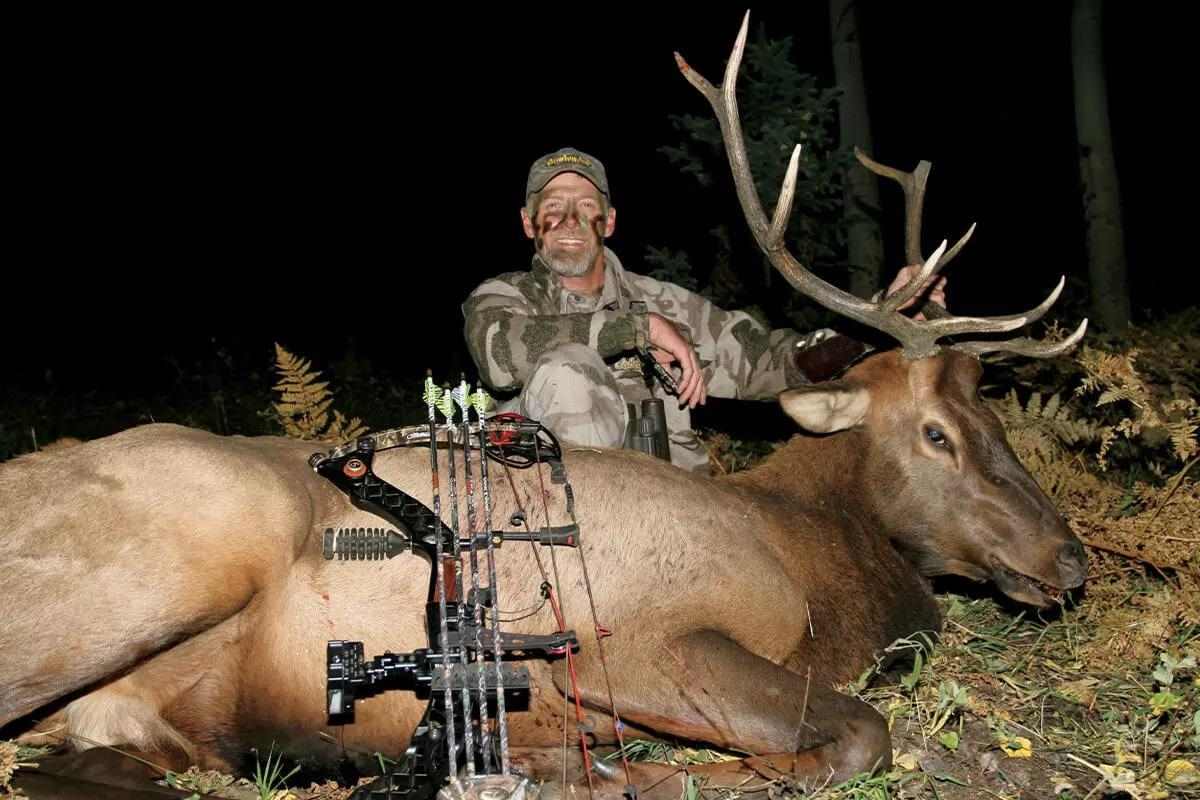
{"x":668,"y":346}
{"x":937,"y":293}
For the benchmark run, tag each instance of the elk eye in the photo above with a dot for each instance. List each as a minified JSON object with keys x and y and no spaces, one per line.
{"x":937,"y":437}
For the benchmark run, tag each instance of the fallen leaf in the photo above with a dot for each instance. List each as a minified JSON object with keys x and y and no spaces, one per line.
{"x":1016,"y":747}
{"x":1181,"y":773}
{"x":1124,"y":756}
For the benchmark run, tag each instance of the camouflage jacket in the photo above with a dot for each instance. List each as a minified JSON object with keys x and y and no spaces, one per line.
{"x":512,"y":319}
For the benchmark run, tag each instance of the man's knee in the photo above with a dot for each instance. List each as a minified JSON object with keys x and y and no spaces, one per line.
{"x":573,"y":392}
{"x":571,"y":369}
{"x":574,"y":359}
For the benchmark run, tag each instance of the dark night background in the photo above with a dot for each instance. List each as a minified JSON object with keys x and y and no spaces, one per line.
{"x":194,"y":186}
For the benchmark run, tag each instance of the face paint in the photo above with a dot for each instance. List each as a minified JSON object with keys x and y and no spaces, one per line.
{"x":569,"y":223}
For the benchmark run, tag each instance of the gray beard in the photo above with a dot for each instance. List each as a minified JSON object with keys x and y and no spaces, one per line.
{"x":572,"y":266}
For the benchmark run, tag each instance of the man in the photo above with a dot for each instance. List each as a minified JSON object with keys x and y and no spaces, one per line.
{"x":566,"y":333}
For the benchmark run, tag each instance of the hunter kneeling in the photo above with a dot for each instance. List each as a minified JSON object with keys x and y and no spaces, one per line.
{"x":567,"y":333}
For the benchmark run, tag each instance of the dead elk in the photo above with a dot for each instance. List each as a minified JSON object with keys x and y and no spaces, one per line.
{"x":171,"y":582}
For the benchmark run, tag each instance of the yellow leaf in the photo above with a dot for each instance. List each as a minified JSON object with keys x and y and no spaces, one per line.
{"x":907,"y":761}
{"x":1124,"y":756}
{"x":1017,"y":747}
{"x":1181,"y":773}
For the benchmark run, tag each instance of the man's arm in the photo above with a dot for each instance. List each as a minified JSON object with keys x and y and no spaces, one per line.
{"x":758,"y":364}
{"x":743,"y":359}
{"x":750,"y":361}
{"x":506,"y":336}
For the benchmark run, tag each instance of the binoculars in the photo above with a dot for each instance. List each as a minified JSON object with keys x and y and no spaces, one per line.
{"x":648,"y":432}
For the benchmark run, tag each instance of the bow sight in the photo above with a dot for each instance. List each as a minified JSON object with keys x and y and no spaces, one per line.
{"x":466,"y":673}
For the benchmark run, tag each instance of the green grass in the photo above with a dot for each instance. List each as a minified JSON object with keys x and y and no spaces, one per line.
{"x":269,"y":776}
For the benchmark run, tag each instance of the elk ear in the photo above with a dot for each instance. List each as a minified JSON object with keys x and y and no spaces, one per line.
{"x":827,"y":407}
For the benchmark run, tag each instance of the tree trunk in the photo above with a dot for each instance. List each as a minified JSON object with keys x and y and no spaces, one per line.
{"x":865,"y":243}
{"x":1098,"y":171}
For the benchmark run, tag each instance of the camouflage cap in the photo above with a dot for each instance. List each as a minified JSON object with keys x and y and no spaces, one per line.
{"x":568,"y":159}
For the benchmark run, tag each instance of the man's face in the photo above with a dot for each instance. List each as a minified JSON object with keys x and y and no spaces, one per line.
{"x":570,"y":225}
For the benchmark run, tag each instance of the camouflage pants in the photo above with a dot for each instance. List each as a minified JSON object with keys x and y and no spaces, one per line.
{"x":574,"y":393}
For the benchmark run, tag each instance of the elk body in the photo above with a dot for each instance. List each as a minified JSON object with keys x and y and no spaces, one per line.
{"x":731,"y":600}
{"x":167,"y":585}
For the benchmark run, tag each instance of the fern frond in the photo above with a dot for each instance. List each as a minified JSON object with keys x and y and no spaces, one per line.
{"x":305,"y":403}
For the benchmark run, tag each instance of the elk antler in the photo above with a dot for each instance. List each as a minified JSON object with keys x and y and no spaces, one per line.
{"x":918,"y":338}
{"x":913,"y":184}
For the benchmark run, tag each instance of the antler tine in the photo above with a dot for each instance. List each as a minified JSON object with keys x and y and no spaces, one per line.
{"x":783,"y":210}
{"x":952,"y":325}
{"x":966,"y":237}
{"x":770,"y":235}
{"x":913,"y":184}
{"x":910,"y":289}
{"x":724,"y":103}
{"x":941,"y":323}
{"x":1024,"y":346}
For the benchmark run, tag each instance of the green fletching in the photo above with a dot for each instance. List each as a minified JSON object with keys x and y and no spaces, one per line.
{"x":432,"y":392}
{"x":446,"y":406}
{"x":482,"y":402}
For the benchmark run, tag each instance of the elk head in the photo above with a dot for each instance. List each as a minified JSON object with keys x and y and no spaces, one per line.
{"x":932,"y":463}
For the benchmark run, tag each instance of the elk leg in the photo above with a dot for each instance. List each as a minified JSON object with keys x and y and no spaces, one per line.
{"x":708,"y":688}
